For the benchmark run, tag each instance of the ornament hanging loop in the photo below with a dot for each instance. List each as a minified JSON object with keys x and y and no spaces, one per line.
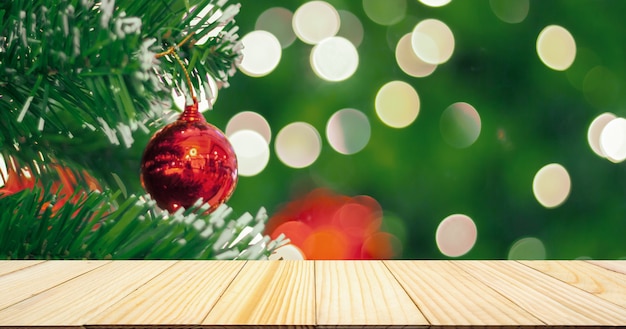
{"x":172,"y":51}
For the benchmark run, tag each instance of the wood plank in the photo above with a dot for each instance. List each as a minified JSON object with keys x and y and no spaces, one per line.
{"x":29,"y":281}
{"x":8,"y":266}
{"x":75,"y":301}
{"x":552,"y":301}
{"x":601,"y":282}
{"x":362,"y":293}
{"x":181,"y":295}
{"x":268,"y":293}
{"x":449,"y":296}
{"x":613,"y":265}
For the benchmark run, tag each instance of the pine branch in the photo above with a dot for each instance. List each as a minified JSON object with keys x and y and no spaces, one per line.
{"x":89,"y":228}
{"x":72,"y":66}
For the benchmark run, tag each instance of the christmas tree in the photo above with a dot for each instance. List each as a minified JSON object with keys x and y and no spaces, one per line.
{"x":83,"y":86}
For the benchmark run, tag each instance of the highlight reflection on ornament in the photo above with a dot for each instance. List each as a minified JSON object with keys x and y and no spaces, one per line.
{"x":189,"y":159}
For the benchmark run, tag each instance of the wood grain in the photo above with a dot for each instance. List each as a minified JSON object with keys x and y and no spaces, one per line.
{"x":32,"y":280}
{"x":601,"y":282}
{"x":8,"y":266}
{"x":360,"y":293}
{"x":75,"y":301}
{"x":552,"y":301}
{"x":183,"y":294}
{"x":617,"y":266}
{"x":449,"y":296}
{"x":268,"y":293}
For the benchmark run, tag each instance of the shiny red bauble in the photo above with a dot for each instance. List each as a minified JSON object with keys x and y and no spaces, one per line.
{"x":187,"y":160}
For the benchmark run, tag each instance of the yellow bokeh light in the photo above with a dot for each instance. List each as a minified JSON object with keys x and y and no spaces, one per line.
{"x":334,"y":59}
{"x":298,"y":145}
{"x":249,"y":120}
{"x":460,"y":125}
{"x":556,"y":47}
{"x":510,"y":11}
{"x":613,"y":140}
{"x":386,"y":12}
{"x":315,"y":21}
{"x":456,"y":235}
{"x":348,"y":131}
{"x":432,"y":41}
{"x":551,"y":185}
{"x":595,"y":130}
{"x":397,"y":104}
{"x":408,"y":61}
{"x":261,"y":53}
{"x":277,"y":20}
{"x":351,"y":27}
{"x":529,"y":248}
{"x":251,"y":150}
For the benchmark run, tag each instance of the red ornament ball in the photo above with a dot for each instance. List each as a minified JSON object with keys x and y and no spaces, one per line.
{"x":189,"y":159}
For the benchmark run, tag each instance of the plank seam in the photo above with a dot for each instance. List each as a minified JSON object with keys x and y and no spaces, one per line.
{"x":576,"y":287}
{"x":52,"y":287}
{"x":315,"y":319}
{"x":23,"y":268}
{"x":430,"y":324}
{"x":499,"y":293}
{"x":221,"y":295}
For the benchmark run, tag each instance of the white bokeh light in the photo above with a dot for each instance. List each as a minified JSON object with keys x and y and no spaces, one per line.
{"x":552,"y":185}
{"x":435,"y":3}
{"x":334,"y":59}
{"x":510,"y":11}
{"x":456,"y":235}
{"x":277,"y":20}
{"x":351,"y":27}
{"x":200,"y":16}
{"x":298,"y":145}
{"x":261,"y":53}
{"x":397,"y":104}
{"x":249,"y":120}
{"x":315,"y":21}
{"x":287,"y":252}
{"x":348,"y":131}
{"x":409,"y":62}
{"x":388,"y":12}
{"x":556,"y":47}
{"x":432,"y":41}
{"x":528,"y":248}
{"x":613,"y":140}
{"x":251,"y":150}
{"x":206,"y":96}
{"x":460,"y":125}
{"x":595,"y":130}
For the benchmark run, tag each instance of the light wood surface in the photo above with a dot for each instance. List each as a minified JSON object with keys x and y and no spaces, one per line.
{"x":312,"y":294}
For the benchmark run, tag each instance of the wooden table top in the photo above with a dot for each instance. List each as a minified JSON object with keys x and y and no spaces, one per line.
{"x":312,"y":293}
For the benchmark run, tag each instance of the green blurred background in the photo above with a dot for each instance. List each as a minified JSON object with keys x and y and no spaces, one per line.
{"x":531,"y":116}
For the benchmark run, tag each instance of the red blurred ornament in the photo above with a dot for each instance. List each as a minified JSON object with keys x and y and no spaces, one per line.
{"x":189,"y":159}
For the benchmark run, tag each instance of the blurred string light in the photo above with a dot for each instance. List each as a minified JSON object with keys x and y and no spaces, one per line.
{"x":298,"y":145}
{"x":315,"y":21}
{"x":435,"y":3}
{"x":432,"y":41}
{"x":348,"y":131}
{"x":556,"y":47}
{"x":334,"y":59}
{"x":251,"y":150}
{"x":252,"y":121}
{"x":261,"y":53}
{"x":510,"y":11}
{"x":528,"y":248}
{"x":456,"y":235}
{"x":551,"y":185}
{"x":460,"y":125}
{"x":397,"y":104}
{"x":387,"y":12}
{"x":613,"y":140}
{"x":409,"y":62}
{"x":595,"y":130}
{"x":350,"y":28}
{"x":277,"y":20}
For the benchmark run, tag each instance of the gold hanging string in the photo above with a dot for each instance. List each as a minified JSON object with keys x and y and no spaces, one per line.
{"x":172,"y":51}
